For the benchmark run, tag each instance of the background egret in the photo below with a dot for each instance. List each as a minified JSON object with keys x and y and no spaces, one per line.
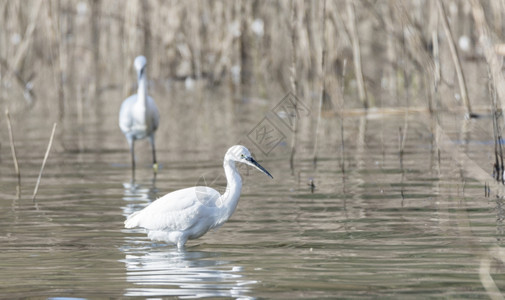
{"x":139,"y":116}
{"x":189,"y":213}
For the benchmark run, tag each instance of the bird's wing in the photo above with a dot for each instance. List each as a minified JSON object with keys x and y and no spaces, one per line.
{"x":154,"y":111}
{"x":178,"y":210}
{"x":125,"y":119}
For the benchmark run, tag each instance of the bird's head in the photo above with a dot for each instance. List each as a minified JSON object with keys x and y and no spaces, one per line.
{"x":140,"y":64}
{"x":241,"y":154}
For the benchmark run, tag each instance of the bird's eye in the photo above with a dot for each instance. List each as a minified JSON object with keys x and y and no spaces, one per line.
{"x":242,"y":156}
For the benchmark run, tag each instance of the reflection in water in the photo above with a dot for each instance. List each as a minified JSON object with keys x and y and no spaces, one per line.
{"x":134,"y":192}
{"x":186,"y":274}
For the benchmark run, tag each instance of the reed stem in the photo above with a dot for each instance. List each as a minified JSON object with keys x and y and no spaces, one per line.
{"x":356,"y":53}
{"x":322,"y":82}
{"x":13,"y":150}
{"x":294,"y":85}
{"x":44,"y":162}
{"x":455,"y":58}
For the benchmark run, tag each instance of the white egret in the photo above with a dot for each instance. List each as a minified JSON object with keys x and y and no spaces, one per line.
{"x":139,"y":116}
{"x":189,"y":213}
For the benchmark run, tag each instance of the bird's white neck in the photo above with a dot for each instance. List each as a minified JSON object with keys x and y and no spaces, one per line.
{"x":142,"y":90}
{"x":230,"y":197}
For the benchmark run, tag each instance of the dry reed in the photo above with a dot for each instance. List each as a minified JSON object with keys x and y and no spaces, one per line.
{"x":322,"y":84}
{"x":92,"y":43}
{"x":294,"y":85}
{"x":13,"y":151}
{"x":455,"y":58}
{"x":44,"y":162}
{"x":494,"y":62}
{"x":74,"y":44}
{"x":356,"y":51}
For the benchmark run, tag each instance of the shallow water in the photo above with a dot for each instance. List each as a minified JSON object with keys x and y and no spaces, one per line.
{"x":376,"y":225}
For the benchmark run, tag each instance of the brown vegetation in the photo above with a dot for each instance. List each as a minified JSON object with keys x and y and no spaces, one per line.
{"x":88,"y":46}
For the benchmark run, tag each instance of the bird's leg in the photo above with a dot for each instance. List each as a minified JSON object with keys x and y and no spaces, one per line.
{"x":155,"y":164}
{"x":153,"y":180}
{"x":180,"y":243}
{"x":132,"y":151}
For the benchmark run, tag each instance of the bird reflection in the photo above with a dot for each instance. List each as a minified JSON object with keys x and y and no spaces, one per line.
{"x":170,"y":272}
{"x":137,"y":191}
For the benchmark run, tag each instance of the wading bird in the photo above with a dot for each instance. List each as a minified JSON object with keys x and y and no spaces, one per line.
{"x":139,"y":116}
{"x":189,"y":213}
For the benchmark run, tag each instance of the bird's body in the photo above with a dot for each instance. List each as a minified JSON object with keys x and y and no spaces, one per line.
{"x":178,"y":216}
{"x":189,"y":213}
{"x":138,"y":115}
{"x":136,"y":120}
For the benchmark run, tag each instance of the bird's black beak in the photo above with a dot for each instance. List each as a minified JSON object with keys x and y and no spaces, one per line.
{"x":141,"y":73}
{"x":252,"y":162}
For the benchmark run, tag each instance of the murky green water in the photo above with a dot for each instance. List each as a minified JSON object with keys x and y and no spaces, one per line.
{"x":376,"y":225}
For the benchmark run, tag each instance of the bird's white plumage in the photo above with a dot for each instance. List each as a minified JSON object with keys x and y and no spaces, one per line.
{"x":176,"y":211}
{"x":138,"y":122}
{"x":189,"y":213}
{"x":138,"y":115}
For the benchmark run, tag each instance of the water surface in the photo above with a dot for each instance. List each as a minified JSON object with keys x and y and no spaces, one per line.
{"x":377,"y":224}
